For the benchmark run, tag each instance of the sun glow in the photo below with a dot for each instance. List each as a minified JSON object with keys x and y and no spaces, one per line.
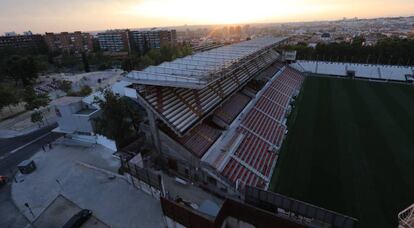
{"x":220,"y":11}
{"x":87,"y":15}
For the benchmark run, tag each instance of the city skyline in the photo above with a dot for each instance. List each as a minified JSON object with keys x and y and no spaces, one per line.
{"x":92,"y":15}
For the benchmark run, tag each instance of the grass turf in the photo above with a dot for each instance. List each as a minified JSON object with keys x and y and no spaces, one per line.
{"x":350,"y":149}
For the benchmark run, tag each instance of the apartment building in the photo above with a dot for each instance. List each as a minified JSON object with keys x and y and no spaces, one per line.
{"x":154,"y":38}
{"x":115,"y":40}
{"x":27,"y":40}
{"x":76,"y":42}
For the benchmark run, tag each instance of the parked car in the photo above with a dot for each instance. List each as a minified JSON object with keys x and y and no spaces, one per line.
{"x":78,"y":219}
{"x":3,"y":180}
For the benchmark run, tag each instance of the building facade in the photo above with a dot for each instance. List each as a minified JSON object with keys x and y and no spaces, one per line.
{"x":76,"y":42}
{"x":28,"y":40}
{"x":137,"y":40}
{"x":153,"y":39}
{"x":115,"y":40}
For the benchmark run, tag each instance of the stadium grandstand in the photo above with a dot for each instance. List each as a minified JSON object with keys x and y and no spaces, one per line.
{"x":362,"y":71}
{"x":225,"y":108}
{"x":250,"y":153}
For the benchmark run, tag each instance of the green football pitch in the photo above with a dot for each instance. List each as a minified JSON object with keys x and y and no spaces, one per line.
{"x":350,"y":149}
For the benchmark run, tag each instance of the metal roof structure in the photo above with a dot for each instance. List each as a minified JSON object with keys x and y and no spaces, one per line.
{"x":182,"y":109}
{"x":199,"y":70}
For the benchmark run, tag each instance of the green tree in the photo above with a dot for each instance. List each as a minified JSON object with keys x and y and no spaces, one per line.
{"x":42,"y":63}
{"x":83,"y":92}
{"x":147,"y":61}
{"x":36,"y":117}
{"x":167,"y":53}
{"x":100,"y":61}
{"x":34,"y":100}
{"x":119,"y":120}
{"x":69,"y":61}
{"x":65,"y":85}
{"x":155,"y":55}
{"x":127,"y":65}
{"x":131,"y":63}
{"x":8,"y":98}
{"x":394,"y":51}
{"x":85,"y":62}
{"x":21,"y":69}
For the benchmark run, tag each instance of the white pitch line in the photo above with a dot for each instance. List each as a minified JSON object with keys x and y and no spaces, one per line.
{"x":35,"y":140}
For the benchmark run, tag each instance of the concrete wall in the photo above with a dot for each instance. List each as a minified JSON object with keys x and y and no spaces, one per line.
{"x":82,"y":123}
{"x":132,"y":93}
{"x":231,"y":222}
{"x":172,"y":224}
{"x":104,"y":141}
{"x":170,"y":147}
{"x":83,"y":138}
{"x":69,"y":121}
{"x":65,"y":119}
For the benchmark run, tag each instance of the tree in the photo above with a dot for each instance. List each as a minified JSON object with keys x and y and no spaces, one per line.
{"x":167,"y":53}
{"x":7,"y":98}
{"x":119,"y":120}
{"x":34,"y":100}
{"x":85,"y":62}
{"x":127,"y":65}
{"x":147,"y":61}
{"x":65,"y":85}
{"x":386,"y":51}
{"x":36,"y":117}
{"x":41,"y":63}
{"x":21,"y":69}
{"x":83,"y":92}
{"x":131,"y":63}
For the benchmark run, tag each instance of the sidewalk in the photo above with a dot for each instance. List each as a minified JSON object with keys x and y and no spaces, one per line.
{"x":62,"y":170}
{"x":22,"y":124}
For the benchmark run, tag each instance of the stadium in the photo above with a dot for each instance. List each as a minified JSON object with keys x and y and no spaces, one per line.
{"x":241,"y":119}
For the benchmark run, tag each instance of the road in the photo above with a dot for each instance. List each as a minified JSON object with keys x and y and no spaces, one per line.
{"x":12,"y":152}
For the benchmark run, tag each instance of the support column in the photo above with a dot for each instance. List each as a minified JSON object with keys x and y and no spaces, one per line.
{"x":154,"y":131}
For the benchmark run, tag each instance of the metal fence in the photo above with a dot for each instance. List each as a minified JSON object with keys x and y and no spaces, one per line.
{"x":296,"y":210}
{"x":144,"y":179}
{"x":184,"y":216}
{"x":231,"y":214}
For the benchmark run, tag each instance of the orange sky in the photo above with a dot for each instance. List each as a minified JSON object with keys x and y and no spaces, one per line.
{"x":58,"y":15}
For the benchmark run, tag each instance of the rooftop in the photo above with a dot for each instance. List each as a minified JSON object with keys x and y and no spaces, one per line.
{"x":201,"y":69}
{"x":182,"y":108}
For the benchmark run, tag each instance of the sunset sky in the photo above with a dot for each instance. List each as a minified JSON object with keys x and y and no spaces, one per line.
{"x":86,"y":15}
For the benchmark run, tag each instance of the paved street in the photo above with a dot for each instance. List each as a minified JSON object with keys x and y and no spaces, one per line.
{"x":8,"y":145}
{"x":12,"y":152}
